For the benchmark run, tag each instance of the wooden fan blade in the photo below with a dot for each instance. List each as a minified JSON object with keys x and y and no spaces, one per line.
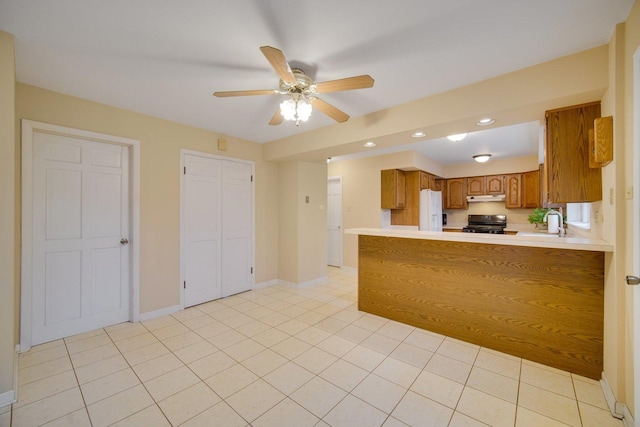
{"x":330,"y":110}
{"x":350,"y":83}
{"x":244,"y":93}
{"x":277,"y":118}
{"x":279,"y":63}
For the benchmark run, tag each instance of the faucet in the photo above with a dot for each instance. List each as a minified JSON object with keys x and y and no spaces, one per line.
{"x":552,"y":212}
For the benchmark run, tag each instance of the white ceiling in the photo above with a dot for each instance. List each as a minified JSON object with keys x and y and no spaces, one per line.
{"x":165,"y":58}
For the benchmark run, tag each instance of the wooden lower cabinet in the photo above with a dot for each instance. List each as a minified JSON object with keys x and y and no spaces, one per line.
{"x":541,"y":304}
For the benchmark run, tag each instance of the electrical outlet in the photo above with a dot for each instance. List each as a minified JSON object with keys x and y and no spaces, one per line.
{"x":306,"y":199}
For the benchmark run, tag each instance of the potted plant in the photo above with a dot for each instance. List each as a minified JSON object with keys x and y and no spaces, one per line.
{"x":537,"y":218}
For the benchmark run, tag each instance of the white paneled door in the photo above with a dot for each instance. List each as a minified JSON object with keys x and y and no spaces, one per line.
{"x":334,"y":221}
{"x":217,"y":224}
{"x":81,"y":263}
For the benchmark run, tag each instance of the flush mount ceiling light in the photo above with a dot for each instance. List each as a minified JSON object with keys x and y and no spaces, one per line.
{"x":457,"y":137}
{"x":418,"y":134}
{"x":481,"y":158}
{"x":328,"y":159}
{"x":369,"y":144}
{"x":485,"y":122}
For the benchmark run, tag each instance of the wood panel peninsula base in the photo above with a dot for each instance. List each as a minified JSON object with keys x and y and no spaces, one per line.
{"x":542,"y":304}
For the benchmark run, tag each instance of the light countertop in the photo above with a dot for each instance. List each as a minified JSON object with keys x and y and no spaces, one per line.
{"x":540,"y":240}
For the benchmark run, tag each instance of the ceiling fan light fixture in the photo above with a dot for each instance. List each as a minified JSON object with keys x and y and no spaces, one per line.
{"x":457,"y":137}
{"x":296,"y":109}
{"x":481,"y":158}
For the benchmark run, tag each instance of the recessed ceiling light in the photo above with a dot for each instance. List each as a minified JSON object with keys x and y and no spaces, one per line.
{"x":457,"y":137}
{"x":485,"y":122}
{"x":481,"y":158}
{"x":418,"y":134}
{"x":370,"y":144}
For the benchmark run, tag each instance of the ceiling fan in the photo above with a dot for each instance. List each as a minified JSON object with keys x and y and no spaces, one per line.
{"x":301,"y":90}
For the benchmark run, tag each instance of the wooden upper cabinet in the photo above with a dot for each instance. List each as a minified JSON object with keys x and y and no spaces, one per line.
{"x":427,"y":181}
{"x":569,"y":177}
{"x":456,"y":193}
{"x":476,"y":186}
{"x":392,"y":189}
{"x":494,"y":184}
{"x":410,"y":215}
{"x":513,"y":191}
{"x":531,"y":189}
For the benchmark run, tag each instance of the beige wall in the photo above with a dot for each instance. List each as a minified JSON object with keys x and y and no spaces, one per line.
{"x":303,"y":226}
{"x":161,"y":141}
{"x":8,"y":244}
{"x":517,"y":97}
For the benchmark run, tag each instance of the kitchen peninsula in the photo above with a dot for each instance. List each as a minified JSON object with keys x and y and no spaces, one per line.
{"x":539,"y":298}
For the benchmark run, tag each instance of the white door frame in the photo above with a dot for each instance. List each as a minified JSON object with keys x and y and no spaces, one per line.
{"x":30,"y":127}
{"x":635,"y":233}
{"x":339,"y":179}
{"x":184,"y":152}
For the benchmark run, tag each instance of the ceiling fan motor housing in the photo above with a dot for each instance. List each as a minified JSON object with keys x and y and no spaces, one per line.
{"x":303,"y":83}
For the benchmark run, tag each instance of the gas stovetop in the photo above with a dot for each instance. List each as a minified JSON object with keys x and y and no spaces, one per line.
{"x":491,"y":224}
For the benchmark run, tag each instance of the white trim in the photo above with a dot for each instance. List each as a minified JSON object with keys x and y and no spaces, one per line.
{"x":266,"y":284}
{"x":29,"y":127}
{"x":308,"y":283}
{"x":7,"y":398}
{"x":157,"y":313}
{"x":628,"y":420}
{"x":616,"y":408}
{"x":183,"y":152}
{"x":347,"y":269}
{"x":10,"y":397}
{"x":635,"y":233}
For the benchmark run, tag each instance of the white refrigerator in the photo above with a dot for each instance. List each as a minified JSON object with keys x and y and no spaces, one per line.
{"x":430,"y":210}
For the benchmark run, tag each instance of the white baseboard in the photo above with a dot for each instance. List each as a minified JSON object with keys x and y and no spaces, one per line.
{"x":349,"y":269}
{"x":10,"y":397}
{"x":157,"y":313}
{"x":265,"y":284}
{"x":616,"y":408}
{"x":306,"y":284}
{"x":628,"y":418}
{"x":7,"y":398}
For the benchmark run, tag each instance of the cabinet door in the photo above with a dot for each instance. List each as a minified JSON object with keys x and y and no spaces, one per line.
{"x":410,"y":215}
{"x":427,"y":181}
{"x":569,"y":177}
{"x":495,"y":184}
{"x":513,"y":191}
{"x":456,"y":193}
{"x":392,"y":189}
{"x":476,"y":186}
{"x":531,"y":189}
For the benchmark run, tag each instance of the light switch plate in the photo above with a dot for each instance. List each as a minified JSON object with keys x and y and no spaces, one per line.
{"x":628,"y":193}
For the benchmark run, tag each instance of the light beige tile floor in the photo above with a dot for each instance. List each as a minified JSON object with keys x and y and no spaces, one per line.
{"x":280,"y":356}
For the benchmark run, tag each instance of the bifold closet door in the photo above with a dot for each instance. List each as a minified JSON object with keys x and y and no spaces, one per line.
{"x":218,"y":228}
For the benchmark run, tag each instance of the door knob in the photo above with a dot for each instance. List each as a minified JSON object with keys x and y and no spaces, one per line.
{"x":124,"y":241}
{"x":632,"y":280}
